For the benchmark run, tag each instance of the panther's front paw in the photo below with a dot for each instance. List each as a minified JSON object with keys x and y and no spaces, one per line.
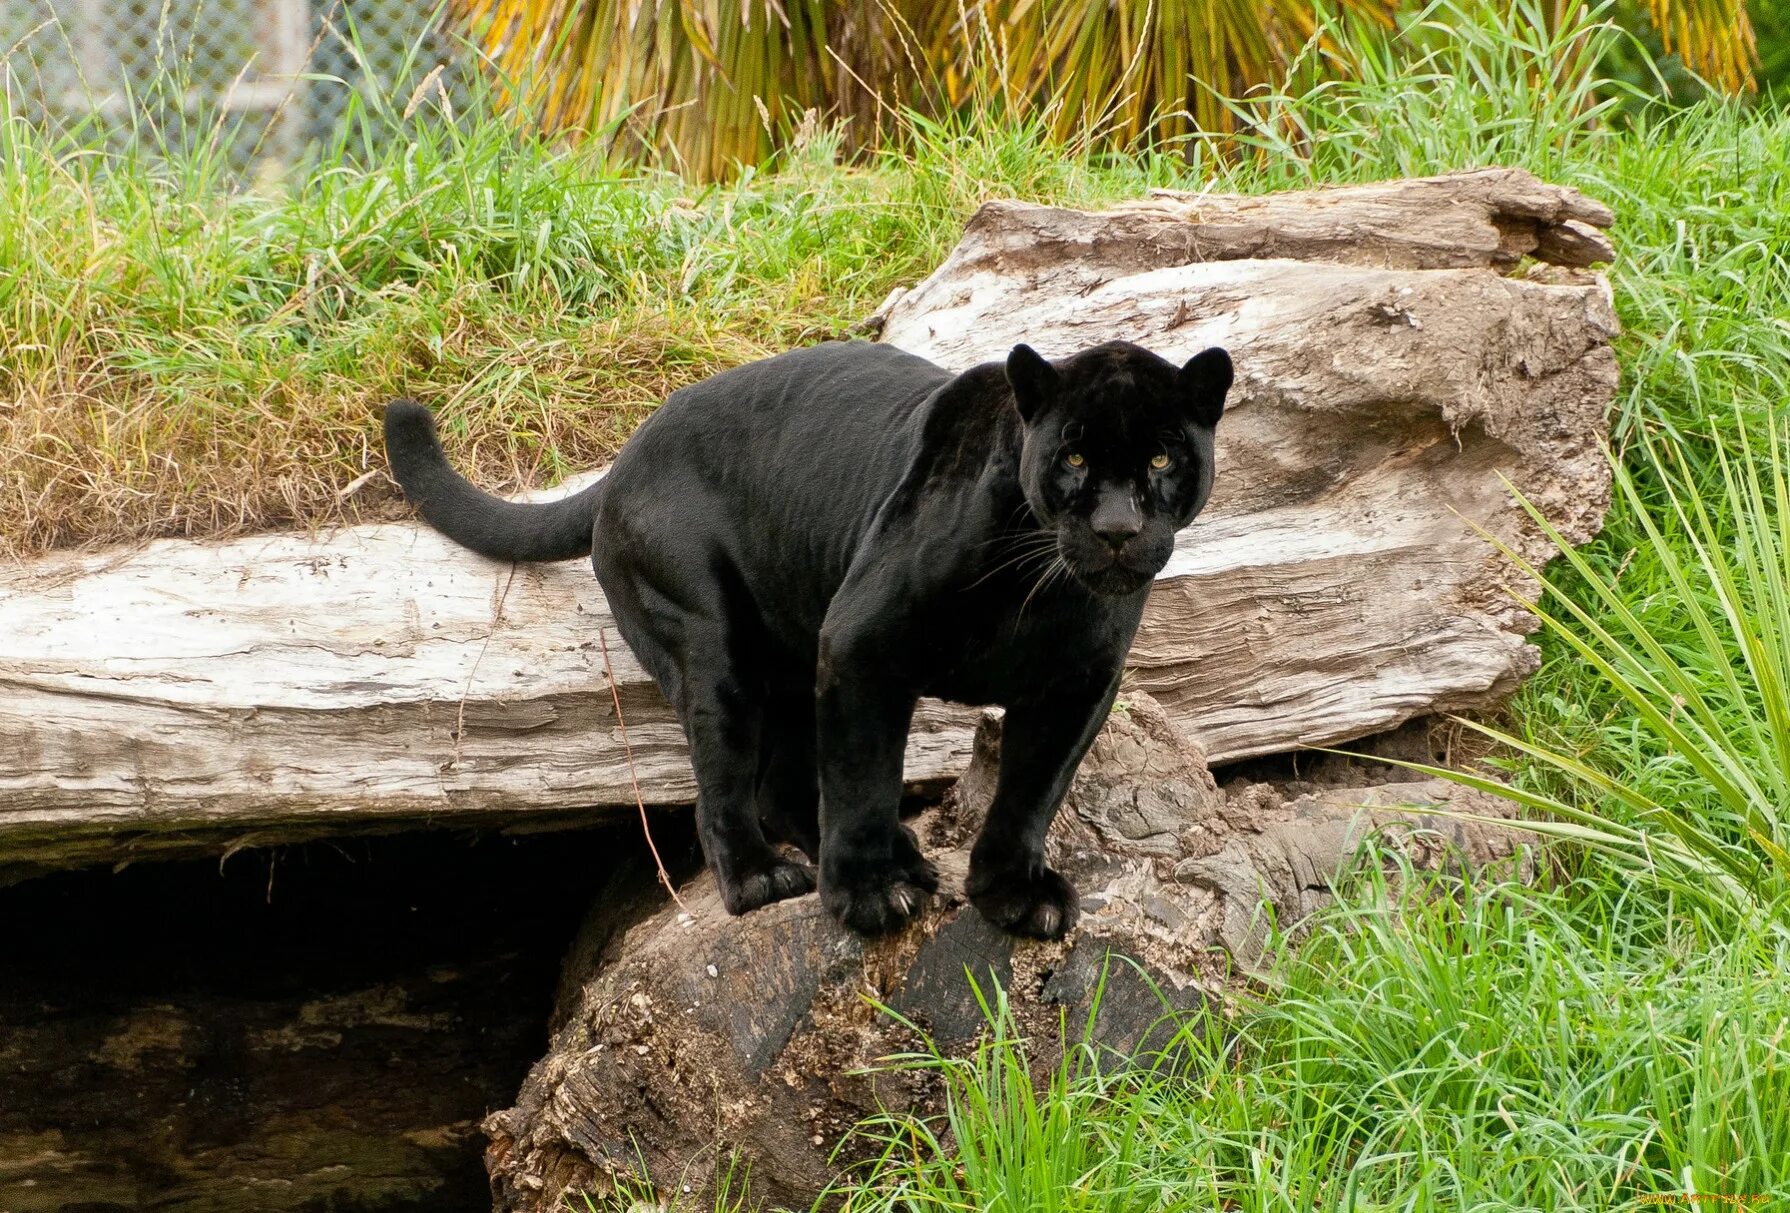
{"x":1043,"y":905}
{"x":878,"y":899}
{"x":775,"y":880}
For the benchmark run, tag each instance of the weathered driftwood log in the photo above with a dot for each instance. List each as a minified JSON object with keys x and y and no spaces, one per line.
{"x":192,"y":695}
{"x":1388,"y":377}
{"x":688,"y":1036}
{"x":286,"y":686}
{"x":1487,"y":218}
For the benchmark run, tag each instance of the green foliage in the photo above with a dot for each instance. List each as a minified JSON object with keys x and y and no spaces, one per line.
{"x":712,"y":85}
{"x":1079,"y":1142}
{"x":184,"y":356}
{"x":1699,"y":805}
{"x":1466,"y":84}
{"x":1658,"y":717}
{"x":1771,"y":21}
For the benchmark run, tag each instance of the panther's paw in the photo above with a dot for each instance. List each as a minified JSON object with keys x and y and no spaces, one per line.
{"x":881,"y":899}
{"x":1041,"y":905}
{"x":774,"y":881}
{"x":875,"y":907}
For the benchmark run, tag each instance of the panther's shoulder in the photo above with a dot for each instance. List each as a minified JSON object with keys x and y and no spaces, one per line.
{"x":971,"y":424}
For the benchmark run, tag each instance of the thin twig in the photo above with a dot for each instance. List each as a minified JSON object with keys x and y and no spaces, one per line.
{"x":628,"y":749}
{"x":496,"y":622}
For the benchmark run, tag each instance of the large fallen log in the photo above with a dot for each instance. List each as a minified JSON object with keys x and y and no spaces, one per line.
{"x":688,"y":1037}
{"x":196,"y":695}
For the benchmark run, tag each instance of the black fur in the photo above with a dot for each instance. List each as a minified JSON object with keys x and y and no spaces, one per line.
{"x":490,"y":526}
{"x":799,"y":549}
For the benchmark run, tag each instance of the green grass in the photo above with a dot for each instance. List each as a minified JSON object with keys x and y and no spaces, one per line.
{"x":181,"y":358}
{"x":1479,"y":1048}
{"x":1696,"y":802}
{"x":184,"y":357}
{"x":1618,"y":1041}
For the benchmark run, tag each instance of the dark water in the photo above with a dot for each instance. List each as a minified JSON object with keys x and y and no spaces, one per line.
{"x":315,"y":1027}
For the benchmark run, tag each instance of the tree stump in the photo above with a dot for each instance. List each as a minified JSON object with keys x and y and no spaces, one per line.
{"x":690,"y":1035}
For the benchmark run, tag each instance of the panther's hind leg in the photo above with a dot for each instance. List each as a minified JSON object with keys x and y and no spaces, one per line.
{"x":723,"y":723}
{"x":695,"y":662}
{"x":788,"y":784}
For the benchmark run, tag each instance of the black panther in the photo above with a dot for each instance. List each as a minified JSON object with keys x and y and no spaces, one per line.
{"x":800,"y":548}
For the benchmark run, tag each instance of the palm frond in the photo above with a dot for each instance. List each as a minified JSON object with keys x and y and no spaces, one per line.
{"x":1713,"y":37}
{"x":711,"y":85}
{"x":708,"y":86}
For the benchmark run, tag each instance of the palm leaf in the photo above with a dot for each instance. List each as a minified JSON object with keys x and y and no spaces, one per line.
{"x":1713,"y":37}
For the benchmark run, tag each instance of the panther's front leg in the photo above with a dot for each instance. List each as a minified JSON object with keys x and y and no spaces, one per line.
{"x":873,"y":877}
{"x":1042,"y":743}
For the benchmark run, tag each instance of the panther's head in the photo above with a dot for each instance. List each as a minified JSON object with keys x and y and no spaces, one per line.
{"x":1117,"y":454}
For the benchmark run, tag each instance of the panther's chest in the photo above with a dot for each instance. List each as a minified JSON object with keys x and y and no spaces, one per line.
{"x":995,"y":652}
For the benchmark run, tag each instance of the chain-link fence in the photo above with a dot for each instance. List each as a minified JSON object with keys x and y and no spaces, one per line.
{"x":275,"y":76}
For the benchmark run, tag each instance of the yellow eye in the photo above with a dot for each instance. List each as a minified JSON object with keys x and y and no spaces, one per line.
{"x":1160,"y":462}
{"x":1074,"y":459}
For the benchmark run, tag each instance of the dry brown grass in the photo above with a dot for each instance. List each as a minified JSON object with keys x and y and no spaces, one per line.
{"x":94,"y":458}
{"x":183,"y":357}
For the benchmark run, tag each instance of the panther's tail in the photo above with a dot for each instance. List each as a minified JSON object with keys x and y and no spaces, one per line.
{"x":490,"y":526}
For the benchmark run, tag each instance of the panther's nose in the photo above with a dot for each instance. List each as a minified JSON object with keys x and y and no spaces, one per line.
{"x":1117,"y":533}
{"x":1116,"y":519}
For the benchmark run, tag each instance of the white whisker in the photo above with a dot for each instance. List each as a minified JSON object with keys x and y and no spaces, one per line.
{"x":1056,"y":567}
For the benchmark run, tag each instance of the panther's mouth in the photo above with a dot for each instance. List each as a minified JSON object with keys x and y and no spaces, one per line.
{"x":1115,"y":581}
{"x":1112,"y":576}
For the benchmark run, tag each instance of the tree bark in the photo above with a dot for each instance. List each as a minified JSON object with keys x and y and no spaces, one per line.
{"x":1484,"y":219}
{"x":196,"y":696}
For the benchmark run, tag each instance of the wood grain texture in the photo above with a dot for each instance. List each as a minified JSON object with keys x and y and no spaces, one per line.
{"x":189,"y":696}
{"x":1390,"y":381}
{"x":287,"y":686}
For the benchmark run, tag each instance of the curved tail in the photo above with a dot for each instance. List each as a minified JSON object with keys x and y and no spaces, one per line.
{"x":490,"y":526}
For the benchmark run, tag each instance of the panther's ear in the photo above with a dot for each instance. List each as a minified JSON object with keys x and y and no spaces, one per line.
{"x":1033,"y":379}
{"x":1202,"y":384}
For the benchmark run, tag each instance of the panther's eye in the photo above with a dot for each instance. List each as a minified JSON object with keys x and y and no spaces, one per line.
{"x":1074,"y":459}
{"x":1160,"y":462}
